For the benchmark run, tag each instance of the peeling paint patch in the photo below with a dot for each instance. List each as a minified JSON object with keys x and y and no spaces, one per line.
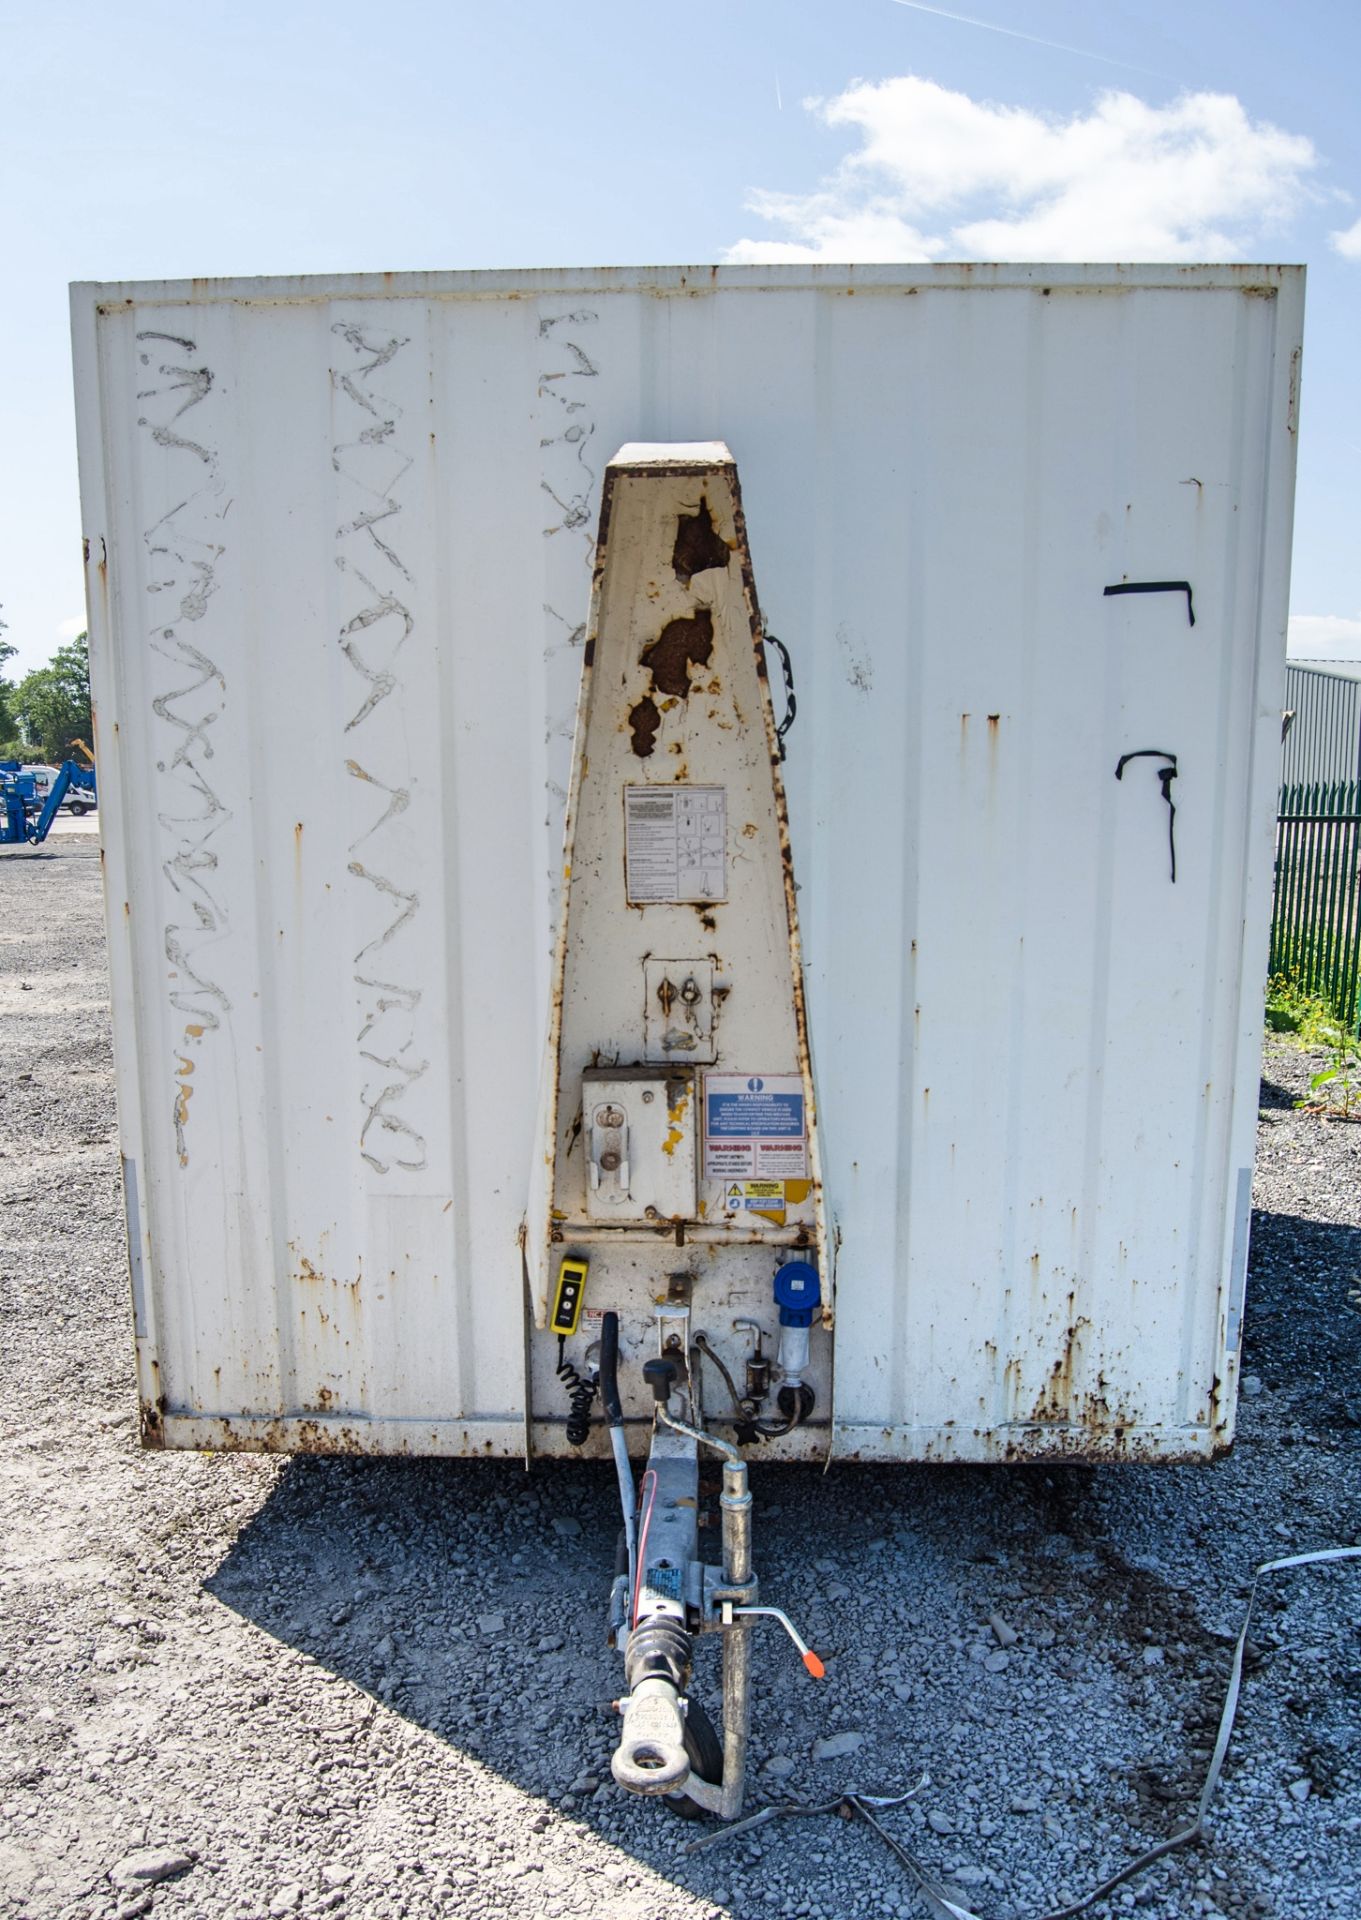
{"x":677,"y":1101}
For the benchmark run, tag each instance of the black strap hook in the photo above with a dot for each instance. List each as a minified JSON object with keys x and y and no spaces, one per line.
{"x":791,"y":705}
{"x":1166,"y":775}
{"x":1157,"y":586}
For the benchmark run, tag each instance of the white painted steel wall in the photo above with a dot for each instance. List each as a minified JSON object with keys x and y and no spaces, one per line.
{"x":339,"y":539}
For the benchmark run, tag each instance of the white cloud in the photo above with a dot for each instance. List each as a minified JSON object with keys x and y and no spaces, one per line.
{"x":68,"y":629}
{"x":1348,"y":242}
{"x":940,"y":175}
{"x":1324,"y":636}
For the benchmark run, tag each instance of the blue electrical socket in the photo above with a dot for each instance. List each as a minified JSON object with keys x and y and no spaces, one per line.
{"x":798,"y":1293}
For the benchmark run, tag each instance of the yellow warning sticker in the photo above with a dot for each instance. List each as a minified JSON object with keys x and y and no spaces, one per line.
{"x":754,"y":1196}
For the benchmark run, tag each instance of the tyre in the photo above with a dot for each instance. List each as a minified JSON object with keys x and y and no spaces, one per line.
{"x":705,"y":1752}
{"x":78,"y":807}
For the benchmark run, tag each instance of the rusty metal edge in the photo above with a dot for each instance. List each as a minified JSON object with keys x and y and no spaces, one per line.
{"x":825,"y":1238}
{"x":856,"y":1444}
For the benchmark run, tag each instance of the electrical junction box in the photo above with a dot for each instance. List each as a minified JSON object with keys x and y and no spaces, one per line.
{"x":639,"y":1130}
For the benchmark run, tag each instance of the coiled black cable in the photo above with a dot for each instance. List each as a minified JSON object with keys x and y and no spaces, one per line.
{"x":582,"y":1395}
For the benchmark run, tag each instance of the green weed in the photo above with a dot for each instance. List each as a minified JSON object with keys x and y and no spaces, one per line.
{"x":1292,"y":1008}
{"x":1336,"y":1088}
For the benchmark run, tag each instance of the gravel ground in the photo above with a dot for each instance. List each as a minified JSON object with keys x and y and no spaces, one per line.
{"x":374,"y":1688}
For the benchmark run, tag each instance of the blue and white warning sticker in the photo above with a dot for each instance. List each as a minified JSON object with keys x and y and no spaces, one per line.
{"x":755,"y":1127}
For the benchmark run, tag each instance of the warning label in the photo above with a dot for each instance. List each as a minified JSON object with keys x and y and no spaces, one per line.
{"x":675,"y":844}
{"x":754,"y":1127}
{"x":755,"y":1196}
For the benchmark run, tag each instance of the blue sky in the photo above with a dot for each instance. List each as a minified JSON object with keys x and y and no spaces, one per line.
{"x":154,"y":140}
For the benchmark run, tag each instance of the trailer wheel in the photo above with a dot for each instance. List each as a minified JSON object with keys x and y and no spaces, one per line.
{"x":705,"y":1752}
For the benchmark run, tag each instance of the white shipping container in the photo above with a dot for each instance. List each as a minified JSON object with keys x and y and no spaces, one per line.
{"x":340,"y":536}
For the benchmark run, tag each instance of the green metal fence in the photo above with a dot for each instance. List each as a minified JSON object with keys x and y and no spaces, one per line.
{"x":1316,"y":913}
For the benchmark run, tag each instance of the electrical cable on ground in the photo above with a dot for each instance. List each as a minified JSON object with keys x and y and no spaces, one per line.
{"x":865,"y":1806}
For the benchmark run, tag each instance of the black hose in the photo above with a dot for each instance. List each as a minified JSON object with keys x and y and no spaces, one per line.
{"x":743,"y":1413}
{"x":609,"y":1369}
{"x":614,"y":1414}
{"x":796,"y":1404}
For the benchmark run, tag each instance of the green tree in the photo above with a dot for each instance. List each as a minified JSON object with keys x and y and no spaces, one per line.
{"x":9,"y":724}
{"x":52,"y":703}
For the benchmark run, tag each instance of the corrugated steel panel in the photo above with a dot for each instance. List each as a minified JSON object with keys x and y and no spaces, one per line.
{"x":1323,"y":739}
{"x":339,"y":537}
{"x":1345,"y":669}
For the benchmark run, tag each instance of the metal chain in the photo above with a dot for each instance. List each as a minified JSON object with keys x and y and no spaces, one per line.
{"x":791,"y":705}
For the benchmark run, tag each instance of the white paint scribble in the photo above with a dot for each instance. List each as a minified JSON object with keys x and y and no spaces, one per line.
{"x":185,"y":547}
{"x":570,"y":477}
{"x":377,"y":625}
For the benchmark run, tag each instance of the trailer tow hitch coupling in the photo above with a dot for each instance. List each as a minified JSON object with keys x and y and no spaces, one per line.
{"x":651,"y":1756}
{"x":673,"y":1593}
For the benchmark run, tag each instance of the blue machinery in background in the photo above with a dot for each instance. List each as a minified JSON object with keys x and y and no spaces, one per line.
{"x":25,"y":816}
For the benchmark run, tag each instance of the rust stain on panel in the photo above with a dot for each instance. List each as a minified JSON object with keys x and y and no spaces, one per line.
{"x":681,"y":644}
{"x":309,"y":1434}
{"x":644,"y":720}
{"x":1056,"y":1395}
{"x":699,"y":546}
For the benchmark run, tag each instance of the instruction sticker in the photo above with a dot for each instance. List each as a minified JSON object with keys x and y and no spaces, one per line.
{"x":754,"y":1128}
{"x":675,"y":845}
